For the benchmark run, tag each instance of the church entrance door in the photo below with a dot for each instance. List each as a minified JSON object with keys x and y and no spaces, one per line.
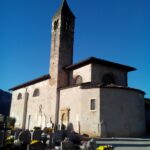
{"x":65,"y":116}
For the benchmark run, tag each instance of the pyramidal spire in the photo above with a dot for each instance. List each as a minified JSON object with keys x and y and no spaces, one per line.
{"x":64,"y":1}
{"x":64,"y":10}
{"x":64,"y":4}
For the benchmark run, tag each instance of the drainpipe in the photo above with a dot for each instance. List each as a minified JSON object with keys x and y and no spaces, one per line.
{"x":25,"y":110}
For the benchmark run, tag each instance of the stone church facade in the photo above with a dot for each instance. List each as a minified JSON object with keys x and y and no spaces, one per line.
{"x":92,"y":94}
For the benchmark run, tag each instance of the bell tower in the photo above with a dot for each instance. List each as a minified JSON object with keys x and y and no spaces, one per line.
{"x":63,"y":24}
{"x":62,"y":38}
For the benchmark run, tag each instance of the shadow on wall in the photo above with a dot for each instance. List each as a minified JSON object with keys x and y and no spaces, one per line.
{"x":147,"y":111}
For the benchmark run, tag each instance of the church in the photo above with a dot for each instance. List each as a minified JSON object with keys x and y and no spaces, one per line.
{"x":92,"y":94}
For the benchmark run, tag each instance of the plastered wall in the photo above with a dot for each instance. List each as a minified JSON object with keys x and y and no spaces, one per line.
{"x":40,"y":109}
{"x":78,"y":101}
{"x":122,"y":112}
{"x":98,"y":71}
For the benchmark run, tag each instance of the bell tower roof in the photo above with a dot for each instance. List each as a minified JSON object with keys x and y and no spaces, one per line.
{"x":64,"y":10}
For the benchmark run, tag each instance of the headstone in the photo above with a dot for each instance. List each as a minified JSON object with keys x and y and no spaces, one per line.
{"x":91,"y":145}
{"x":16,"y":137}
{"x":66,"y":145}
{"x":25,"y":137}
{"x":83,"y":146}
{"x":44,"y":138}
{"x":37,"y":135}
{"x":50,"y":140}
{"x":74,"y":138}
{"x":16,"y":134}
{"x":57,"y":138}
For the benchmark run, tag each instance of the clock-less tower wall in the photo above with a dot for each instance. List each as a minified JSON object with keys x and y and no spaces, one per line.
{"x":61,"y":51}
{"x":61,"y":45}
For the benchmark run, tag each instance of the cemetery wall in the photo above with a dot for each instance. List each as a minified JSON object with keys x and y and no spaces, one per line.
{"x":122,"y":114}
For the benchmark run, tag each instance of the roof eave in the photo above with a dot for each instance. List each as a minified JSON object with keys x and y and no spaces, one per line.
{"x":39,"y":79}
{"x":96,"y":60}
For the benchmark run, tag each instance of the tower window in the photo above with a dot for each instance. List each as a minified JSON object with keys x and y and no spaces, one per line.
{"x":108,"y":79}
{"x":36,"y":93}
{"x":19,"y":96}
{"x":78,"y":79}
{"x":93,"y":104}
{"x":67,"y":25}
{"x":55,"y":25}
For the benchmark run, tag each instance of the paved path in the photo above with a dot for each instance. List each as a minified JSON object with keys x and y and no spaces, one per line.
{"x":126,"y":143}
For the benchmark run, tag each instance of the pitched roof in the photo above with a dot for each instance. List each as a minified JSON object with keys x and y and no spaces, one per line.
{"x":99,"y":61}
{"x":75,"y":66}
{"x":89,"y":85}
{"x":39,"y":79}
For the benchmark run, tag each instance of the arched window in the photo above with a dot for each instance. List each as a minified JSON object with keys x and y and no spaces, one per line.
{"x":108,"y":79}
{"x":78,"y":79}
{"x":19,"y":96}
{"x":36,"y":93}
{"x":55,"y":25}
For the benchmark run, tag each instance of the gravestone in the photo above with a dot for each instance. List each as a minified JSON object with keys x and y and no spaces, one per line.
{"x":57,"y":138}
{"x":25,"y":137}
{"x":74,"y":138}
{"x":91,"y":145}
{"x":66,"y":145}
{"x":16,"y":138}
{"x":16,"y":134}
{"x":50,"y":140}
{"x":37,"y":135}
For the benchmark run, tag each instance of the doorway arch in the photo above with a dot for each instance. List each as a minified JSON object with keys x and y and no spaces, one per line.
{"x":65,"y":113}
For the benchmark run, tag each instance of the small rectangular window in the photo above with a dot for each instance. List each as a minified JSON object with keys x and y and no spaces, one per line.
{"x":93,"y":104}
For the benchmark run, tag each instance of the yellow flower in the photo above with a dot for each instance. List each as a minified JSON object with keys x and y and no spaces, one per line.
{"x":102,"y":147}
{"x":34,"y":142}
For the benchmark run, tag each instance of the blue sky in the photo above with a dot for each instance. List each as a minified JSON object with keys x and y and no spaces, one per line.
{"x":115,"y":30}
